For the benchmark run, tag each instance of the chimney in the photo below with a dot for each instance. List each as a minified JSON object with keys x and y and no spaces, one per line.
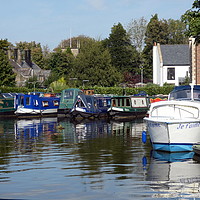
{"x":19,"y":56}
{"x":15,"y":55}
{"x":9,"y":54}
{"x":28,"y":57}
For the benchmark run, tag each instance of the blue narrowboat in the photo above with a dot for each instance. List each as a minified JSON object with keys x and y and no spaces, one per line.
{"x":89,"y":106}
{"x":36,"y":104}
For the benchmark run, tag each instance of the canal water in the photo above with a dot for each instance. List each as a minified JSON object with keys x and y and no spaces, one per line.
{"x":55,"y":158}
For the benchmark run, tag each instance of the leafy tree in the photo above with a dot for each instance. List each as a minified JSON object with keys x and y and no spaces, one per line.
{"x":52,"y":77}
{"x":136,"y":29}
{"x":122,"y":53}
{"x":7,"y":76}
{"x":176,"y":29}
{"x":46,"y":56}
{"x":60,"y":63}
{"x":32,"y":82}
{"x":59,"y":85}
{"x":157,"y":31}
{"x":192,"y":19}
{"x":74,"y":42}
{"x":94,"y":64}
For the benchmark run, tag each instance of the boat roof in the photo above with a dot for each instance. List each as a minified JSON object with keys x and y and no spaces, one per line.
{"x":72,"y":89}
{"x":185,"y":87}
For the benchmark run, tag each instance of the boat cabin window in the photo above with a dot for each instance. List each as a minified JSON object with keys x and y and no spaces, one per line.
{"x":128,"y":102}
{"x":182,"y":94}
{"x":113,"y":102}
{"x":55,"y":103}
{"x":28,"y":101}
{"x":45,"y":103}
{"x":21,"y":100}
{"x":118,"y":102}
{"x":108,"y":102}
{"x":196,"y":94}
{"x":68,"y":95}
{"x":36,"y":102}
{"x":123,"y":102}
{"x":104,"y":102}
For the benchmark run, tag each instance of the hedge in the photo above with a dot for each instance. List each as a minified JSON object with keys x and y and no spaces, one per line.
{"x":149,"y":89}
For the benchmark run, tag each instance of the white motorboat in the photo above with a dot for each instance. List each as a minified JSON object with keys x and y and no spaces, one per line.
{"x":174,"y":125}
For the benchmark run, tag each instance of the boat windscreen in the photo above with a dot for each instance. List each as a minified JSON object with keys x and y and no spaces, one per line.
{"x":182,"y":94}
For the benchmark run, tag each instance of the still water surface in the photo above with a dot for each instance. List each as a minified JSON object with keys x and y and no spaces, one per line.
{"x":53,"y":158}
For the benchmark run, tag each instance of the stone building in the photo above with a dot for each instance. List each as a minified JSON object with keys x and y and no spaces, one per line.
{"x":24,"y":68}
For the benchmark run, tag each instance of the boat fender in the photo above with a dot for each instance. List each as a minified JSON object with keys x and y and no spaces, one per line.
{"x":144,"y":162}
{"x":144,"y":137}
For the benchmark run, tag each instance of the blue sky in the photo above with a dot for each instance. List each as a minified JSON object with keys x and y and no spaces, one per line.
{"x":50,"y":21}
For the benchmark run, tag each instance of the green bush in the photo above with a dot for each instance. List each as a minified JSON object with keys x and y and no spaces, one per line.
{"x":149,"y":89}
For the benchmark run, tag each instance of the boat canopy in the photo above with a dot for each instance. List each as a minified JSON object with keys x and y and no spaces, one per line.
{"x":91,"y":102}
{"x":185,"y":92}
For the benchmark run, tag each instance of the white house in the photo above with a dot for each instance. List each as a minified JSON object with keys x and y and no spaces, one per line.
{"x":171,"y":63}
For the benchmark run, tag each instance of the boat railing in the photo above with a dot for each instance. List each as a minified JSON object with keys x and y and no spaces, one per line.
{"x":175,"y":112}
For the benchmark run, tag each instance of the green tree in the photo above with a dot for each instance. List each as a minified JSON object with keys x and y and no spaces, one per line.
{"x":32,"y":82}
{"x":176,"y":29}
{"x":94,"y":64}
{"x":59,"y":85}
{"x":60,"y":62}
{"x":157,"y":31}
{"x":192,"y":19}
{"x":122,"y":53}
{"x":7,"y":76}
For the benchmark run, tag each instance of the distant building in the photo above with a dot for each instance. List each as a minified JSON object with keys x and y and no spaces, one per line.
{"x":171,"y":63}
{"x":24,"y":68}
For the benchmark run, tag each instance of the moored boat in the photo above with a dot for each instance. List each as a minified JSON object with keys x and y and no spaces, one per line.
{"x":128,"y":107}
{"x":36,"y":104}
{"x":174,"y":125}
{"x":6,"y":105}
{"x":67,"y":99}
{"x":90,"y":106}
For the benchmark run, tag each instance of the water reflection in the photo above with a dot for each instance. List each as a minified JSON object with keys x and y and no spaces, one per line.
{"x":55,"y":158}
{"x":174,"y":175}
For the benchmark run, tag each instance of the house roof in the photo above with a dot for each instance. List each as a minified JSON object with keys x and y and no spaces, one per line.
{"x":175,"y":55}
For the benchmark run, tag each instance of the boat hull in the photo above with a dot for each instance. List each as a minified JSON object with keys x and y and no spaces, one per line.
{"x":84,"y":113}
{"x":123,"y":114}
{"x":35,"y":112}
{"x":173,"y":136}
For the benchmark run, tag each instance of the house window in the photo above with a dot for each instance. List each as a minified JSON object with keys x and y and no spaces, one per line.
{"x":171,"y":74}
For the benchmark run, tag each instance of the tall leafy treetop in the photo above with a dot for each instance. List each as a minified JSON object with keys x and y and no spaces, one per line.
{"x":192,"y":20}
{"x":93,"y":63}
{"x":7,"y":76}
{"x":120,"y":48}
{"x":157,"y":31}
